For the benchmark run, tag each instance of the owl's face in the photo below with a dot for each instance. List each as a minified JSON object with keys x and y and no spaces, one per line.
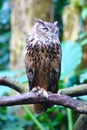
{"x":47,"y":30}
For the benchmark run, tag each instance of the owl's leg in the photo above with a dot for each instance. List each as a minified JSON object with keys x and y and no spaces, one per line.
{"x":38,"y":108}
{"x":40,"y":91}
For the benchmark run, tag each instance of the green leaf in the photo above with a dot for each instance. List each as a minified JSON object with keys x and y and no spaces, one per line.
{"x":5,"y":37}
{"x":83,"y":42}
{"x":33,"y":118}
{"x":4,"y":59}
{"x":84,"y":13}
{"x":82,"y":35}
{"x":71,"y":58}
{"x":5,"y":12}
{"x":83,"y":77}
{"x":4,"y":90}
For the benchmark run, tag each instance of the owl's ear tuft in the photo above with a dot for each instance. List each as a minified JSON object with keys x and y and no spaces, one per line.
{"x":38,"y":20}
{"x":56,"y":23}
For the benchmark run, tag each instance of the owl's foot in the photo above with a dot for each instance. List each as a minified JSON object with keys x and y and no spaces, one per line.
{"x":40,"y":91}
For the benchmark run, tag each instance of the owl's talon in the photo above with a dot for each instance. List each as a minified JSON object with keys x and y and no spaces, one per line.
{"x":40,"y":91}
{"x":36,"y":89}
{"x":45,"y":94}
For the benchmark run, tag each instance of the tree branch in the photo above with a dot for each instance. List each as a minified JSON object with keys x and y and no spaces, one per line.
{"x":74,"y":91}
{"x":12,"y":84}
{"x":81,"y":123}
{"x":32,"y":98}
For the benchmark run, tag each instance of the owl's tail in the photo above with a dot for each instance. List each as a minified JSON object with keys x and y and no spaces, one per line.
{"x":38,"y":108}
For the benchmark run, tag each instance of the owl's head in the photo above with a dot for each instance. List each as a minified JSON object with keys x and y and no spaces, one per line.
{"x":46,"y":30}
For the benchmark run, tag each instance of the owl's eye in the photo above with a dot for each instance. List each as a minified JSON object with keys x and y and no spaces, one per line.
{"x":45,"y":29}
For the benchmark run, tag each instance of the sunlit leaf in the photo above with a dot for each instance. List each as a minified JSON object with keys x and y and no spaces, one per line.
{"x":84,"y":13}
{"x":71,"y":58}
{"x":82,"y":35}
{"x":83,"y":42}
{"x":83,"y":77}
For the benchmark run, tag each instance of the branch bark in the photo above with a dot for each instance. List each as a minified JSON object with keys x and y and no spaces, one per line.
{"x":74,"y":91}
{"x":32,"y":98}
{"x":12,"y":84}
{"x":81,"y":123}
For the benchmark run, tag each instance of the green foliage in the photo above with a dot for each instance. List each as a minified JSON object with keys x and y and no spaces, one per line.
{"x":5,"y":11}
{"x":10,"y":121}
{"x":77,"y":2}
{"x":71,"y":58}
{"x":47,"y":120}
{"x":33,"y":118}
{"x":83,"y":77}
{"x":84,"y":13}
{"x":58,"y":9}
{"x":82,"y":38}
{"x":4,"y":38}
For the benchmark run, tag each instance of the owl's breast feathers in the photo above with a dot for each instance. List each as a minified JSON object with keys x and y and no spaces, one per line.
{"x":43,"y":57}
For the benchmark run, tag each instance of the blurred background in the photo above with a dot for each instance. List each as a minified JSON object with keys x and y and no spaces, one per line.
{"x":15,"y":22}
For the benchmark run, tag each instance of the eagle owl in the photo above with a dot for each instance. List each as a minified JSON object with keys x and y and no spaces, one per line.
{"x":43,"y":60}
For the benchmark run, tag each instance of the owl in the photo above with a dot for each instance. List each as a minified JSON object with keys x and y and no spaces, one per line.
{"x":43,"y":60}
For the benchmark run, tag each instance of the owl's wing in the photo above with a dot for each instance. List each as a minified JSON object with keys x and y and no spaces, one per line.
{"x":30,"y":70}
{"x":54,"y":78}
{"x":55,"y":72}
